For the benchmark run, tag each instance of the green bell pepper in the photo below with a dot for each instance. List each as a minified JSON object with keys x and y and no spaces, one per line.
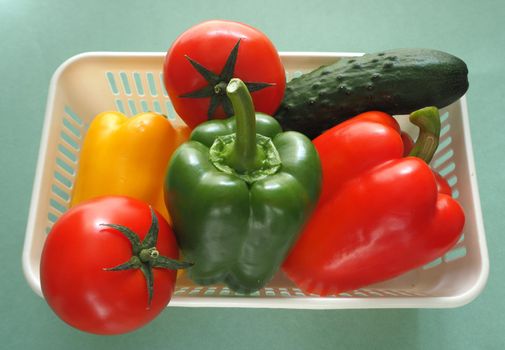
{"x":239,"y":193}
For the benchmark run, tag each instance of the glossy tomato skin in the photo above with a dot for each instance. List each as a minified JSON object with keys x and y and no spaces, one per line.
{"x":74,"y":282}
{"x":210,"y":43}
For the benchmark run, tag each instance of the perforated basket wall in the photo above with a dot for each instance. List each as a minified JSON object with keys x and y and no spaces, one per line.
{"x":90,"y":83}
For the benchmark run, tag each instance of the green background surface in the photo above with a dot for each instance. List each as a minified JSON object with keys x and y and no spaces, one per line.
{"x":37,"y":36}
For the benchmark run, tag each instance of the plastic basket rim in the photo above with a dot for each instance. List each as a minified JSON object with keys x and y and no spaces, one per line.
{"x":306,"y":302}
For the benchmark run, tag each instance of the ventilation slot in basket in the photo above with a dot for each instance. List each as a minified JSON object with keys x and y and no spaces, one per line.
{"x":443,"y":161}
{"x":285,"y":292}
{"x":433,"y":264}
{"x":162,"y":84}
{"x":220,"y":291}
{"x":152,"y":85}
{"x":444,"y":164}
{"x":67,"y":156}
{"x":138,"y":92}
{"x":125,"y":83}
{"x":455,"y":254}
{"x":138,"y":84}
{"x":112,"y":83}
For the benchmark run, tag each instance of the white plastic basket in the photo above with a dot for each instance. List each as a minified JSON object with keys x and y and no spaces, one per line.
{"x":90,"y":83}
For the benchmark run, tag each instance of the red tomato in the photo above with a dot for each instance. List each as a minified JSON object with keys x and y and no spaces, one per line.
{"x":210,"y":44}
{"x":76,"y":253}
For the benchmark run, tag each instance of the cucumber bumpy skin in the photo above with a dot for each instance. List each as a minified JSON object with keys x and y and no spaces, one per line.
{"x":396,"y":82}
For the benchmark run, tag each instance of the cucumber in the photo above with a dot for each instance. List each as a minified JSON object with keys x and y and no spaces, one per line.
{"x":396,"y":82}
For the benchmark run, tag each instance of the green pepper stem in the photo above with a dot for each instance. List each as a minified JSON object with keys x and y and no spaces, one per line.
{"x":244,"y":153}
{"x":428,"y":121}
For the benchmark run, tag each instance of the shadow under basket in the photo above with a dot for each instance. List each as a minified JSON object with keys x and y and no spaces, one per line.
{"x":90,"y":83}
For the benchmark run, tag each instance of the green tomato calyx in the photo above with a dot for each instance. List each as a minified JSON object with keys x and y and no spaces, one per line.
{"x":145,"y":254}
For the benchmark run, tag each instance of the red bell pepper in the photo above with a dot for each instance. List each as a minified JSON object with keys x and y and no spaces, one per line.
{"x":380,"y":214}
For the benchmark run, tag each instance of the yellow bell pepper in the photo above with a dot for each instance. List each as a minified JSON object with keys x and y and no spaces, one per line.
{"x":127,"y":156}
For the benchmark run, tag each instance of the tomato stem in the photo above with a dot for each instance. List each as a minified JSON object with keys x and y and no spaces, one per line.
{"x":145,"y":254}
{"x":220,"y":88}
{"x":149,"y":254}
{"x":216,"y":84}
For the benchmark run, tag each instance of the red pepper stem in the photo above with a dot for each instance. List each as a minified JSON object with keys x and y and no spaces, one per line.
{"x":428,"y":121}
{"x":244,"y":155}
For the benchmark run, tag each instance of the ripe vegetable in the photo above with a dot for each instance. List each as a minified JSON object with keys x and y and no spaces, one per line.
{"x":128,"y":157}
{"x":395,"y":82}
{"x":203,"y":59}
{"x":239,"y":193}
{"x":107,"y":267}
{"x":380,"y":214}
